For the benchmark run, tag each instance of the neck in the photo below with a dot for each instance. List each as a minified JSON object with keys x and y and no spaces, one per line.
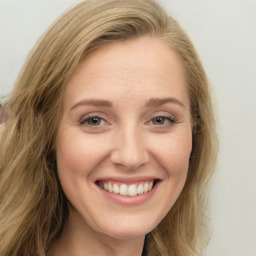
{"x":78,"y":239}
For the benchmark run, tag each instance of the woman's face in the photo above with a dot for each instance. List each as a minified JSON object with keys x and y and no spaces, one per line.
{"x":125,"y":126}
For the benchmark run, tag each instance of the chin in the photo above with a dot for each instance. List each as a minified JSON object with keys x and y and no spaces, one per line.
{"x":126,"y":230}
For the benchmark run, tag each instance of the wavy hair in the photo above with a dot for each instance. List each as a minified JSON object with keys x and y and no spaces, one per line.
{"x":33,"y":208}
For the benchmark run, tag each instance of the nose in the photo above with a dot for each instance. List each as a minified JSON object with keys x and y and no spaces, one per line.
{"x":130,"y":150}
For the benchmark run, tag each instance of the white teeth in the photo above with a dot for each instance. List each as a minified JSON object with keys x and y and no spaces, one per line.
{"x":116,"y":189}
{"x":127,"y":190}
{"x":123,"y":190}
{"x":140,"y":189}
{"x":145,"y":188}
{"x":132,"y":190}
{"x":150,"y":186}
{"x":110,"y":188}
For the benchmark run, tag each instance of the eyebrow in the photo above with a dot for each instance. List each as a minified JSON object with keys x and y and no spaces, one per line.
{"x":153,"y":102}
{"x":156,"y":102}
{"x":93,"y":102}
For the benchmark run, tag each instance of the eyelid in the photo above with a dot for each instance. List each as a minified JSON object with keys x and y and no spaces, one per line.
{"x":92,"y":114}
{"x":163,"y":114}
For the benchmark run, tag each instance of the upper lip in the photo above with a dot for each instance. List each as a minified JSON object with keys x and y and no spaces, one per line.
{"x":128,"y":180}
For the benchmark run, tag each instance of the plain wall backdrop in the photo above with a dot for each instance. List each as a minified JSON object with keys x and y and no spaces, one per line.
{"x":224,"y":34}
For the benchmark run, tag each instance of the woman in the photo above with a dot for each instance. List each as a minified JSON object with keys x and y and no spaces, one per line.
{"x":110,"y":138}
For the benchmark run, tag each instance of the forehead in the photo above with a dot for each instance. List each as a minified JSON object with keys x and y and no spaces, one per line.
{"x":140,"y":66}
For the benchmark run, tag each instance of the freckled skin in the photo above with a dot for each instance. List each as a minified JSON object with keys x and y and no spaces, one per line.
{"x":126,"y":143}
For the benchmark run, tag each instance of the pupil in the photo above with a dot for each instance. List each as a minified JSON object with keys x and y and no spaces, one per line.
{"x":95,"y":120}
{"x":159,"y":120}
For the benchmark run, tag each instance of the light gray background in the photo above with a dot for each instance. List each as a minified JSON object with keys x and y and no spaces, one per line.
{"x":224,"y":33}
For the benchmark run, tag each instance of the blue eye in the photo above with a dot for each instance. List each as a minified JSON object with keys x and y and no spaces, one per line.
{"x":161,"y":120}
{"x":93,"y":121}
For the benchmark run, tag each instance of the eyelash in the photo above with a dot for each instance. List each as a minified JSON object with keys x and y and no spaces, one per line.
{"x":85,"y":120}
{"x":171,"y":120}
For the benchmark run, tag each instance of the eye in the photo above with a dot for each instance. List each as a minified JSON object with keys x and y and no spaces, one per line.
{"x":162,"y":120}
{"x":93,"y":121}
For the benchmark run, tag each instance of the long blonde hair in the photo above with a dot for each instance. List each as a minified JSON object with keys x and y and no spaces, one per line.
{"x":33,"y":208}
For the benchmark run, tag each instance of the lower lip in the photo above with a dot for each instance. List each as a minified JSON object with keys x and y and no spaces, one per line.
{"x":130,"y":200}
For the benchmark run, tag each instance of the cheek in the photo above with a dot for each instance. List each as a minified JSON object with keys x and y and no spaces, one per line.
{"x":175,"y":154}
{"x":77,"y":158}
{"x":76,"y":152}
{"x":69,"y":162}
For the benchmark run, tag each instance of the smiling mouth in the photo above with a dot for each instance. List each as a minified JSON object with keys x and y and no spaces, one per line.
{"x":127,"y":190}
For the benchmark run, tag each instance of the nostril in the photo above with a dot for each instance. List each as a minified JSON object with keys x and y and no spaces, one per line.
{"x":130,"y":159}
